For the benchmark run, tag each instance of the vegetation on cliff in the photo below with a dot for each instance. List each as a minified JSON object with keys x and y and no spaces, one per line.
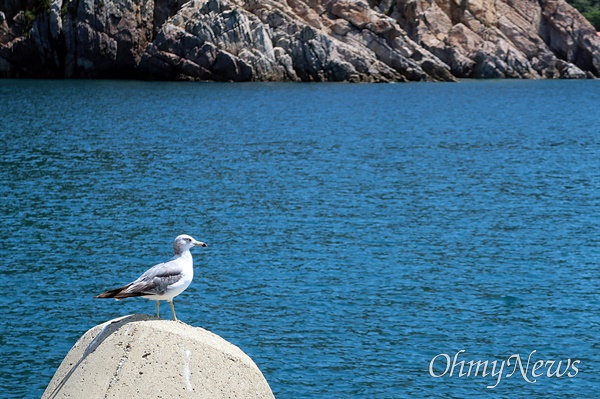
{"x":590,"y":9}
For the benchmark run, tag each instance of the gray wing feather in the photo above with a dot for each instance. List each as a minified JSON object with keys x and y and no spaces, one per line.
{"x":156,"y":279}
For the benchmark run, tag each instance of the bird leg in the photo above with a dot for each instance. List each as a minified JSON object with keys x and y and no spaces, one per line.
{"x":157,"y":310}
{"x":173,"y":310}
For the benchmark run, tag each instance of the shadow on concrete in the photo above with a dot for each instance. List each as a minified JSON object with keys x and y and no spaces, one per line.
{"x":104,"y":333}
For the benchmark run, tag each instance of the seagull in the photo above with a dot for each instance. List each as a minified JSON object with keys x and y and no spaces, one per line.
{"x":164,"y":281}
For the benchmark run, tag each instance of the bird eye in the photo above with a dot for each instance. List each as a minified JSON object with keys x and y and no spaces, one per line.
{"x":188,"y":239}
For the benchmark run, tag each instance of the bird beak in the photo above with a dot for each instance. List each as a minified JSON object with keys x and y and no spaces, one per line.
{"x":200,"y":244}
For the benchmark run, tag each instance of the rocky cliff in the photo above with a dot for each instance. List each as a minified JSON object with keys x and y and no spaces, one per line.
{"x":296,"y":40}
{"x":141,"y":357}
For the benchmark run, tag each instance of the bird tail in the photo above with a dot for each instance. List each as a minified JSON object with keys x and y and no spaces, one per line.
{"x":118,"y":293}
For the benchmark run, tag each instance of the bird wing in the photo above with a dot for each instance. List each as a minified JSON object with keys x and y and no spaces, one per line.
{"x":156,"y":279}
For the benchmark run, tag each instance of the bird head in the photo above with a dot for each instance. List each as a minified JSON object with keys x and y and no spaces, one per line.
{"x":184,"y":242}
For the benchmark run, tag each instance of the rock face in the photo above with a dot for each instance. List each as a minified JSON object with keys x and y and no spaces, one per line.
{"x":503,"y":39}
{"x":296,"y":40}
{"x":141,"y":357}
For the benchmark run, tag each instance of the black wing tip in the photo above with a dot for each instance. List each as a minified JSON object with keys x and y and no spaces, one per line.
{"x":117,"y":293}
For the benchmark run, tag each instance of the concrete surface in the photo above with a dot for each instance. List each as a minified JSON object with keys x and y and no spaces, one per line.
{"x":141,"y":357}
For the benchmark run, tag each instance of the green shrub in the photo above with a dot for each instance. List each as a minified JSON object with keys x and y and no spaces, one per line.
{"x":589,"y":9}
{"x":594,"y":18}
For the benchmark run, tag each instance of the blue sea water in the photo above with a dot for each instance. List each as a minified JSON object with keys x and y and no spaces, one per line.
{"x":360,"y":236}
